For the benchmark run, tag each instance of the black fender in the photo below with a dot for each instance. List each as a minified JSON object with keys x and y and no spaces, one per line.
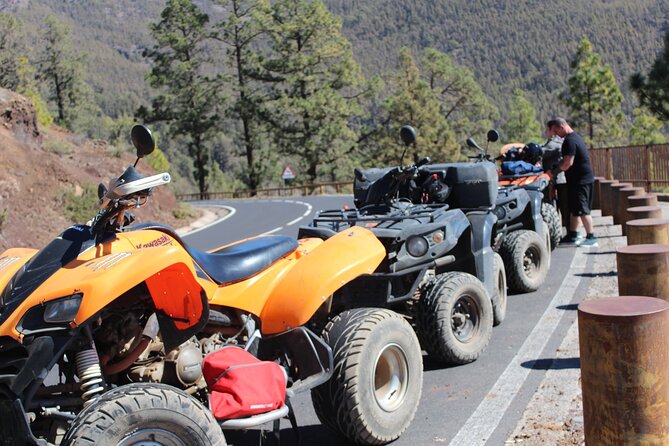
{"x":536,"y":199}
{"x":483,"y":228}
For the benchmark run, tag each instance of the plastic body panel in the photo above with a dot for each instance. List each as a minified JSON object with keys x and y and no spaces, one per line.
{"x":324,"y":270}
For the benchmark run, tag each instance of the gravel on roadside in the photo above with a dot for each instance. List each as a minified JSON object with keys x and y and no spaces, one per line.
{"x":555,"y":413}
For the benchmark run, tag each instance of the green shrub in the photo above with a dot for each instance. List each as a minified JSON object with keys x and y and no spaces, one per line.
{"x":58,"y":147}
{"x":158,"y":161}
{"x":3,"y":218}
{"x":184,"y":211}
{"x":80,"y":207}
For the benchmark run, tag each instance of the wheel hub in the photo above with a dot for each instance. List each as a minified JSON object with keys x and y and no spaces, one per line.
{"x":530,"y":261}
{"x":151,"y":437}
{"x":391,"y":377}
{"x":465,"y":318}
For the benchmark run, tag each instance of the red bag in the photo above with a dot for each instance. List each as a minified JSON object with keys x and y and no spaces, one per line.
{"x":241,"y":385}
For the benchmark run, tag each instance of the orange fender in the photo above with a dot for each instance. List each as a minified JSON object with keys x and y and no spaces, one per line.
{"x":168,"y":271}
{"x":317,"y":275}
{"x":11,"y":261}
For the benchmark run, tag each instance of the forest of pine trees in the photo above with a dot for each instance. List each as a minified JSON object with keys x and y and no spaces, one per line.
{"x":237,"y":89}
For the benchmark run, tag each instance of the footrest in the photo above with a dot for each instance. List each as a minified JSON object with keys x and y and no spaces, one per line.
{"x":255,"y":420}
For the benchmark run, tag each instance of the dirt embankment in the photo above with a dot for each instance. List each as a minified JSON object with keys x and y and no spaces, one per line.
{"x":38,"y":166}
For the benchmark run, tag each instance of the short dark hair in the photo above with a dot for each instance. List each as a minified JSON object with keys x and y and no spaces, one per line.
{"x":555,"y":122}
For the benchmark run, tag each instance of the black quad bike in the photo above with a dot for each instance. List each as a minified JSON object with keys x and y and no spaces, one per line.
{"x":523,"y":236}
{"x":536,"y":181}
{"x":439,"y":266}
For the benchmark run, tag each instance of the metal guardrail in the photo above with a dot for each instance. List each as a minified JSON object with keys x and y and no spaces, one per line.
{"x":646,"y":165}
{"x":334,"y":187}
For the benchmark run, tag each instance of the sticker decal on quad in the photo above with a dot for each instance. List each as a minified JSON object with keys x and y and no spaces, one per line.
{"x":160,"y":241}
{"x":108,"y":262}
{"x":6,"y":261}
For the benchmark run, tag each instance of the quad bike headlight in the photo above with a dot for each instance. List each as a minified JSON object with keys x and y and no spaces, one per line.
{"x":62,"y":310}
{"x":417,"y":246}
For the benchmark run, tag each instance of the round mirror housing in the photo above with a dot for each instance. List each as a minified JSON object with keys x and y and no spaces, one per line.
{"x":493,"y":135}
{"x":408,"y":135}
{"x":102,"y":190}
{"x":142,"y":139}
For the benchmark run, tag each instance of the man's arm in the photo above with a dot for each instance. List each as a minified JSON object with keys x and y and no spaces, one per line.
{"x":567,"y":162}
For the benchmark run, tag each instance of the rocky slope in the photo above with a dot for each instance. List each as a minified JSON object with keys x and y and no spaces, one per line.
{"x":40,"y":166}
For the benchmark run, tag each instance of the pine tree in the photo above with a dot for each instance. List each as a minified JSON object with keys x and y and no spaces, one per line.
{"x":27,"y":86}
{"x":312,"y":84}
{"x":189,"y":99}
{"x":61,"y":68}
{"x":11,"y":50}
{"x":646,"y":128}
{"x":594,"y":97}
{"x":462,"y":101}
{"x":653,"y":91}
{"x":522,"y":124}
{"x":240,"y":31}
{"x":413,"y":102}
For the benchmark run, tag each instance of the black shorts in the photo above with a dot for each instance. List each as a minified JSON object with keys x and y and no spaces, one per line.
{"x":580,"y":199}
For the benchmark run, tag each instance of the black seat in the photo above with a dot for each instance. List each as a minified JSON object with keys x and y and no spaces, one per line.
{"x":235,"y":262}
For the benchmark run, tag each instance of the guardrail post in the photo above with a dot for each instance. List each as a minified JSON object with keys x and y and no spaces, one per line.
{"x":641,"y":212}
{"x":623,"y":198}
{"x":596,"y":193}
{"x":616,"y":202}
{"x":648,"y":231}
{"x":625,"y":370}
{"x":605,"y":196}
{"x":643,"y":270}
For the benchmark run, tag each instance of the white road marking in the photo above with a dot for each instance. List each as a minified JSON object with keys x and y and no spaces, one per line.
{"x":231,"y":212}
{"x":483,"y":422}
{"x":294,"y":221}
{"x":272,"y":231}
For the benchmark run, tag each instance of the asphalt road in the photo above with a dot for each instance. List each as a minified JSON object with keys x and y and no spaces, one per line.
{"x":475,"y":404}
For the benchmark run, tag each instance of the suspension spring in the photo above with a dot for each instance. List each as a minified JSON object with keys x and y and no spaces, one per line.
{"x":90,"y":375}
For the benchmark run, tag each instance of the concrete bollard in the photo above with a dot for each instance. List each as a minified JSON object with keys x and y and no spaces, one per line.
{"x":623,"y":197}
{"x":595,"y":193}
{"x":616,"y":202}
{"x":640,"y":212}
{"x":647,"y":231}
{"x":643,"y":270}
{"x":605,"y":195}
{"x":625,"y":370}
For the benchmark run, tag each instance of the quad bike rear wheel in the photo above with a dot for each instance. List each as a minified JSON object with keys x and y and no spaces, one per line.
{"x":548,"y":242}
{"x":378,"y":375}
{"x":145,"y":414}
{"x":499,"y":303}
{"x":454,"y":318}
{"x":526,"y":259}
{"x":552,"y":218}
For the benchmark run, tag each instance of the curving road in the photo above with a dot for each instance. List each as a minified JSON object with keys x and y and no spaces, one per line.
{"x":474,"y":404}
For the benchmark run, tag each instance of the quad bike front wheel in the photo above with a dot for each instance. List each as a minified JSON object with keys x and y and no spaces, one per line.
{"x":374,"y":391}
{"x":552,"y":218}
{"x":454,"y":317}
{"x":499,"y":302}
{"x":526,"y":259}
{"x":141,"y":414}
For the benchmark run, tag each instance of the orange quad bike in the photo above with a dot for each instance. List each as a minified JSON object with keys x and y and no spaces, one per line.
{"x":104,"y":330}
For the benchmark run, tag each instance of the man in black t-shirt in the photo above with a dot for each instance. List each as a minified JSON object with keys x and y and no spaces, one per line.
{"x":580,"y":181}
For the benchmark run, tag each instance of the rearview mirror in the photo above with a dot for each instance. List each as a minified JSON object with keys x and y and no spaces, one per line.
{"x":408,"y":135}
{"x":471,"y":143}
{"x":493,"y":135}
{"x":102,"y":190}
{"x":142,"y":139}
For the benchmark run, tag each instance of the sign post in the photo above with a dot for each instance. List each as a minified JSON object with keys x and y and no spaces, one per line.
{"x":287,"y":175}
